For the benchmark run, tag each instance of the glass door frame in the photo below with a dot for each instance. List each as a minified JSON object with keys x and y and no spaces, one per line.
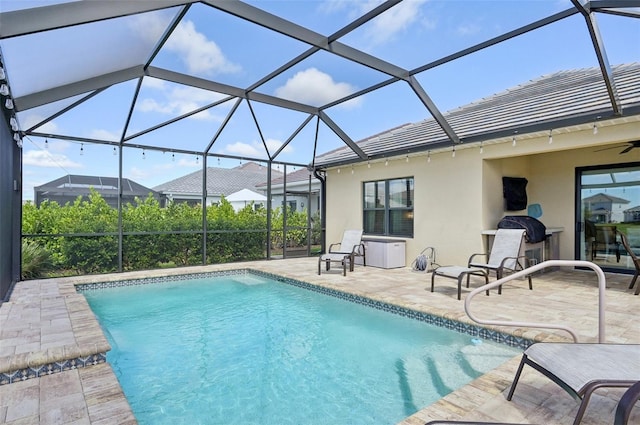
{"x":580,"y":227}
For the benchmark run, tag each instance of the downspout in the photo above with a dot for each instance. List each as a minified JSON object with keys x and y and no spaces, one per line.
{"x":323,"y":209}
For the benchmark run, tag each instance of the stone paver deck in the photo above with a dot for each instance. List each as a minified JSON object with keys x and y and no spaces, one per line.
{"x":48,"y":328}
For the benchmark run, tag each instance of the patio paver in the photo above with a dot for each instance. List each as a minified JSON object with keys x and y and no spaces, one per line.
{"x":48,"y":321}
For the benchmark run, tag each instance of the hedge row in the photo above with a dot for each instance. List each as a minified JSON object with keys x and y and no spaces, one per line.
{"x":231,"y":235}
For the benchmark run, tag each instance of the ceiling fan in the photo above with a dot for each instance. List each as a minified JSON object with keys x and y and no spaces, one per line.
{"x":629,"y":145}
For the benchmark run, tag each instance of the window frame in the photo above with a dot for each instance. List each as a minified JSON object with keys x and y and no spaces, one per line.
{"x":387,"y":209}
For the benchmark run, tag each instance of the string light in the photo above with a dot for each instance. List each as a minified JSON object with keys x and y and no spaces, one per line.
{"x":46,"y":144}
{"x":143,"y":155}
{"x":14,"y":123}
{"x":115,"y":152}
{"x":352,"y":169}
{"x":481,"y":148}
{"x":386,"y":162}
{"x":453,"y":152}
{"x":81,"y":149}
{"x":429,"y":156}
{"x":513,"y":141}
{"x":338,"y":171}
{"x":595,"y":128}
{"x":407,"y":160}
{"x":369,"y":164}
{"x":550,"y":136}
{"x":173,"y":158}
{"x":197,"y":160}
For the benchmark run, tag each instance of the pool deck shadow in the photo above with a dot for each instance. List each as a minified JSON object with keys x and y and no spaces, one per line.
{"x":53,"y":371}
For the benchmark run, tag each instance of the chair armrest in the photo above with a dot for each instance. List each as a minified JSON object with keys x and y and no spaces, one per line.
{"x":332,"y":245}
{"x":504,"y":260}
{"x":475,"y":255}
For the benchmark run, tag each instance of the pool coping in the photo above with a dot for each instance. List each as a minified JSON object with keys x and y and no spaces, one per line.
{"x":92,"y":341}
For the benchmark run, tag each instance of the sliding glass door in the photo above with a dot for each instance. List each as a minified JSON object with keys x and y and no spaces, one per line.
{"x":608,"y":203}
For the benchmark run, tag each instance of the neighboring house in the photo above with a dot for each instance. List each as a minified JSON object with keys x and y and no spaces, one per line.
{"x":527,"y":131}
{"x":299,"y":196}
{"x":68,"y":188}
{"x":632,"y":214}
{"x":603,"y":208}
{"x":244,"y":197}
{"x":220,"y":182}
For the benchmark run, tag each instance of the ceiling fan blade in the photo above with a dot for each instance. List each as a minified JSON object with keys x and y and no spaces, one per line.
{"x":606,"y":149}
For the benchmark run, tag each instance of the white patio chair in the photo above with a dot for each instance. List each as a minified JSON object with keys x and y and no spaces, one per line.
{"x":344,"y":252}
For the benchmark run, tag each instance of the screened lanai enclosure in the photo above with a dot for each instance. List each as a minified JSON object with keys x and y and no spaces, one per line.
{"x":201,"y":100}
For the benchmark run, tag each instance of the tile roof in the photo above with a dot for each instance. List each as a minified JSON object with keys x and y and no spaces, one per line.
{"x":220,"y":181}
{"x":553,"y":97}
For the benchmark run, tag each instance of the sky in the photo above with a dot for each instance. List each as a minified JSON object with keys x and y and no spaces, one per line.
{"x":213,"y":45}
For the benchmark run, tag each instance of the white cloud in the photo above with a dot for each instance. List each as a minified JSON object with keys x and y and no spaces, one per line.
{"x":39,"y":158}
{"x":394,"y":21}
{"x":468,"y":29}
{"x":313,"y":87}
{"x":246,"y":149}
{"x":274,"y":145}
{"x":179,"y":101}
{"x":100,"y":134}
{"x":199,"y":54}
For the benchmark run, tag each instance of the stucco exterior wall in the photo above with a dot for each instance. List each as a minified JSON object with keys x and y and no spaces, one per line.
{"x":458,"y":197}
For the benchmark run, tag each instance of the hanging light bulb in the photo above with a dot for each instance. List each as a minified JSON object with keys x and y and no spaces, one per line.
{"x":8,"y":103}
{"x":4,"y":90}
{"x":595,"y":128}
{"x":386,"y":162}
{"x":550,"y":136}
{"x":115,"y":151}
{"x":143,"y":155}
{"x":407,"y":160}
{"x":338,"y":171}
{"x":18,"y":140}
{"x":369,"y":164}
{"x":429,"y":156}
{"x":81,"y":149}
{"x":513,"y":141}
{"x":453,"y":152}
{"x":173,"y":158}
{"x":14,"y":123}
{"x":481,"y":148}
{"x":46,"y":144}
{"x":197,"y":160}
{"x":352,"y":169}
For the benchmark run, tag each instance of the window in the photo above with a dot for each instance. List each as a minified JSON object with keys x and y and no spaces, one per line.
{"x":388,"y":207}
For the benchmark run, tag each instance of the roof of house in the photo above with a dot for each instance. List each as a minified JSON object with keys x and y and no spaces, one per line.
{"x":603,"y":197}
{"x":73,"y":184}
{"x":522,"y":108}
{"x":299,"y":175}
{"x":220,"y":181}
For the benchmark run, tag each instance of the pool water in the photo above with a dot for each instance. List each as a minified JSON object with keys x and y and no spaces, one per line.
{"x":244,"y":349}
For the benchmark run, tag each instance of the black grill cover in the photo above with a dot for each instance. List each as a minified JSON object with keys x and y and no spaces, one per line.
{"x":535,"y":230}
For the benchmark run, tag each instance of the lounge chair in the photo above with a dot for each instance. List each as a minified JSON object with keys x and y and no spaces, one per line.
{"x":634,"y":258}
{"x":344,"y":252}
{"x":580,"y":369}
{"x":504,"y":256}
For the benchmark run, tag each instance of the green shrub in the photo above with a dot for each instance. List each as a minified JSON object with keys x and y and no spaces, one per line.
{"x":36,"y":260}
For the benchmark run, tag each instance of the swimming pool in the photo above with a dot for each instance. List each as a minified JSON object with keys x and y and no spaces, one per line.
{"x":244,"y":348}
